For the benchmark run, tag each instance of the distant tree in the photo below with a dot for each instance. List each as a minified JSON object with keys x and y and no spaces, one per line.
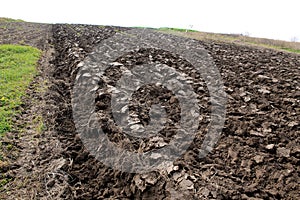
{"x":190,"y":27}
{"x":247,"y":34}
{"x":294,"y":39}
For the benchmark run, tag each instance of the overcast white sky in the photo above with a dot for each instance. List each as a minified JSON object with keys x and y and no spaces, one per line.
{"x":261,"y":18}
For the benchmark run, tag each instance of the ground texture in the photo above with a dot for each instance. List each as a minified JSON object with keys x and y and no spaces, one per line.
{"x":257,"y":156}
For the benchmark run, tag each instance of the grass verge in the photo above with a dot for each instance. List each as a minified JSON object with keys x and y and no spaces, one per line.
{"x":176,"y":29}
{"x":293,"y":47}
{"x":17,"y":70}
{"x":5,"y":19}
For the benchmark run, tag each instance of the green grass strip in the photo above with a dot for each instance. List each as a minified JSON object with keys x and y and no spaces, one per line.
{"x":176,"y":29}
{"x":4,"y":19}
{"x":17,"y":70}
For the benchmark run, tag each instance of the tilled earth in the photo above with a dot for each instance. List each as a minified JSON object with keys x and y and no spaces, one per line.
{"x":22,"y":33}
{"x":257,"y":156}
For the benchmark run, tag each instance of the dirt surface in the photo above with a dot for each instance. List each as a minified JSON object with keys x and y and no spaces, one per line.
{"x":257,"y":156}
{"x":23,"y":33}
{"x":35,"y":155}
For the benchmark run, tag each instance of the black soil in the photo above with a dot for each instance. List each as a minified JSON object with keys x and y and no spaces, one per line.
{"x":257,"y":156}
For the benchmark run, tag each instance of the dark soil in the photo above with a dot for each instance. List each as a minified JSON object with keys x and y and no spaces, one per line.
{"x":23,"y":33}
{"x":257,"y":156}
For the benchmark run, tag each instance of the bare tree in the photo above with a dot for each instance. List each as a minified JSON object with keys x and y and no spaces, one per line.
{"x":247,"y":34}
{"x":294,"y":39}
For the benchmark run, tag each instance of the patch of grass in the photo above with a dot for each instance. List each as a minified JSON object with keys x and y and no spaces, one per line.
{"x":291,"y":50}
{"x":4,"y":181}
{"x":3,"y":178}
{"x":274,"y":46}
{"x":17,"y":70}
{"x":176,"y":29}
{"x":3,"y":26}
{"x":39,"y":124}
{"x":9,"y":147}
{"x":22,"y":42}
{"x":142,"y":27}
{"x":5,"y":19}
{"x":167,"y":29}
